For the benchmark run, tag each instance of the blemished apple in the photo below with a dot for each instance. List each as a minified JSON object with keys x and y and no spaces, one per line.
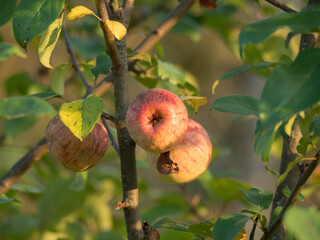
{"x":72,"y":153}
{"x":187,"y":160}
{"x":156,"y":120}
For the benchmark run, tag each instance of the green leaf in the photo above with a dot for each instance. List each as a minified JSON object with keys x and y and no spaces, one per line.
{"x":275,"y":213}
{"x":305,"y":125}
{"x":14,"y":127}
{"x":103,"y":65}
{"x":253,"y":212}
{"x":44,"y":95}
{"x":227,"y":227}
{"x":146,"y":57}
{"x":58,"y":77}
{"x":7,"y":50}
{"x":166,"y":70}
{"x":304,"y":223}
{"x":17,"y":107}
{"x":18,"y":84}
{"x":286,"y":192}
{"x":283,"y":176}
{"x":33,"y":18}
{"x":170,"y":224}
{"x":237,"y":104}
{"x":26,"y":188}
{"x":241,"y":69}
{"x":4,"y":199}
{"x":81,"y":116}
{"x":258,"y":197}
{"x":227,"y":189}
{"x":6,"y":10}
{"x":146,"y":81}
{"x":48,"y":41}
{"x":300,"y":80}
{"x":201,"y":230}
{"x":306,"y":20}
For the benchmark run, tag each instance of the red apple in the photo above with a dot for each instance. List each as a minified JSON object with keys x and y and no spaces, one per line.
{"x":74,"y":154}
{"x":187,"y":160}
{"x":157,"y":120}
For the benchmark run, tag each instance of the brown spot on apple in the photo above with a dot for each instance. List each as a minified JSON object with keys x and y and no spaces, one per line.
{"x":165,"y":165}
{"x":154,"y":119}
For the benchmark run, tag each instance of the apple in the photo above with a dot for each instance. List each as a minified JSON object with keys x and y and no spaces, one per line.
{"x":74,"y":154}
{"x":156,"y":120}
{"x":187,"y":160}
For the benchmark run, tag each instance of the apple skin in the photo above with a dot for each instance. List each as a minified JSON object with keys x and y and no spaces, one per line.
{"x":70,"y":151}
{"x":187,"y":160}
{"x":156,"y":120}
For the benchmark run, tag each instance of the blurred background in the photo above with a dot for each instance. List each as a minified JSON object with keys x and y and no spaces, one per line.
{"x":54,"y":203}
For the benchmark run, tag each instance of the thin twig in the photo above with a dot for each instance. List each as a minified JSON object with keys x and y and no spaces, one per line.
{"x":109,"y":117}
{"x":302,"y":180}
{"x":26,"y":162}
{"x":111,"y":137}
{"x":75,"y":61}
{"x":157,"y":33}
{"x":281,"y":6}
{"x":253,"y":230}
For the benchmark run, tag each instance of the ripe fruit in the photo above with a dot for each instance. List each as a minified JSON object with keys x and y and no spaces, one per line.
{"x":157,"y":120}
{"x":187,"y":160}
{"x":70,"y":151}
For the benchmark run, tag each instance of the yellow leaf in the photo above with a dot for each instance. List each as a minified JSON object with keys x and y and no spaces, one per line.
{"x":241,"y":235}
{"x":194,"y":102}
{"x":288,"y":126}
{"x":48,"y":42}
{"x":71,"y":115}
{"x":79,"y":12}
{"x":118,"y":30}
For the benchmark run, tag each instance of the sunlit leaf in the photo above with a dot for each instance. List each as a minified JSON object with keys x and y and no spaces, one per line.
{"x":117,"y":28}
{"x":81,"y":116}
{"x":167,"y":70}
{"x":194,"y":102}
{"x":4,"y":199}
{"x":48,"y":41}
{"x":79,"y":12}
